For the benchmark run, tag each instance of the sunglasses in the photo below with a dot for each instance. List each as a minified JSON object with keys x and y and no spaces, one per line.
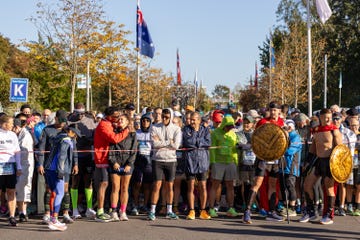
{"x":336,"y":119}
{"x":116,"y":117}
{"x":165,"y":117}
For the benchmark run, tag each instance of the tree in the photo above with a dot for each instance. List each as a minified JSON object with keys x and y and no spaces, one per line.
{"x":68,"y":26}
{"x":221,"y":92}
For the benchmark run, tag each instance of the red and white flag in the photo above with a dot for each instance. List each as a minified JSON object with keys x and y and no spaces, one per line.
{"x":323,"y":9}
{"x":178,"y":68}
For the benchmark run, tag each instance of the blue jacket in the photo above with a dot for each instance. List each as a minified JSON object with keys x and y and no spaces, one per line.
{"x":196,"y":160}
{"x":63,"y":155}
{"x":292,"y":155}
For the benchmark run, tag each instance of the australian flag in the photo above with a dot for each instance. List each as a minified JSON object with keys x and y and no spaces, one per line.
{"x":143,"y":41}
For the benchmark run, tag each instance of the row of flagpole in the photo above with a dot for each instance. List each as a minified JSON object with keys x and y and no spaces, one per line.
{"x":145,"y":46}
{"x":324,"y":12}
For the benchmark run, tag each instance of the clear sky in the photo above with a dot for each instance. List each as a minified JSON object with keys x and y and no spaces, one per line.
{"x":220,"y":38}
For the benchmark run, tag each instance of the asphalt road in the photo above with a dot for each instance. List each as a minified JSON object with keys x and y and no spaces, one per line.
{"x":218,"y":228}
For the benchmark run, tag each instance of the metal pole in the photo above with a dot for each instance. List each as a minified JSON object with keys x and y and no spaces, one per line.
{"x":270,"y":70}
{"x":138,"y":82}
{"x":340,"y":97}
{"x":309,"y":61}
{"x":88,"y":86}
{"x":325,"y":82}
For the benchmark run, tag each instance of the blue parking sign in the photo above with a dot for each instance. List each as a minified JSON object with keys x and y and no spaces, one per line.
{"x":19,"y":89}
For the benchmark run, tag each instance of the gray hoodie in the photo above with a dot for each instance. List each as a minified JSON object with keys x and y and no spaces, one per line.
{"x":170,"y":138}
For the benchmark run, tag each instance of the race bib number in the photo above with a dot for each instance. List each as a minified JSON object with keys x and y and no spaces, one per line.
{"x":7,"y":168}
{"x":144,"y":149}
{"x":248,"y":157}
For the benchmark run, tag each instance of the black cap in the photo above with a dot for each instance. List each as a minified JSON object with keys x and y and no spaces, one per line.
{"x":274,"y":104}
{"x":61,"y":116}
{"x":336,"y":115}
{"x":130,"y":106}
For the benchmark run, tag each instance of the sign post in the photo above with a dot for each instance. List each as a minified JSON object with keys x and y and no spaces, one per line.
{"x":19,"y":89}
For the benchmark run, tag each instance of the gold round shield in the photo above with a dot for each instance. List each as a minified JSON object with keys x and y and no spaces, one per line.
{"x":269,"y":142}
{"x":341,"y":163}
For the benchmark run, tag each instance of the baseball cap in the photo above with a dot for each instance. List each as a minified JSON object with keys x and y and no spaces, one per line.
{"x":290,"y":123}
{"x":253,"y":113}
{"x":249,"y":118}
{"x":274,"y":104}
{"x":337,"y":115}
{"x":61,"y":115}
{"x":100,"y":115}
{"x":190,"y":108}
{"x":130,"y":106}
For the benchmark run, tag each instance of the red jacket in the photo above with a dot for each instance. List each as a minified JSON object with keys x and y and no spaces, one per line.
{"x":103,"y":137}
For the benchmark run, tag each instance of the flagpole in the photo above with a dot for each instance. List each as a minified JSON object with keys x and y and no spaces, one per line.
{"x":270,"y":68}
{"x":309,"y":61}
{"x":138,"y":82}
{"x":195,"y":85}
{"x":325,"y":81}
{"x":340,"y":87}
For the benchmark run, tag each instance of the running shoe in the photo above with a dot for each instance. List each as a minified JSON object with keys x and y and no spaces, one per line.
{"x":263,"y":213}
{"x":123,"y":216}
{"x":76,"y":214}
{"x":172,"y":216}
{"x":273,"y":216}
{"x":90,"y":213}
{"x":326,"y":220}
{"x":103,"y":218}
{"x":191,"y":215}
{"x":12,"y":222}
{"x":232,"y":213}
{"x":151,"y":216}
{"x":204,"y":215}
{"x":55,"y":225}
{"x":67,"y":219}
{"x":247,"y":217}
{"x":305,"y":217}
{"x":46,"y":219}
{"x":292,"y":213}
{"x":356,"y":213}
{"x":114,"y":216}
{"x":134,"y":211}
{"x":213,"y":213}
{"x":341,"y":212}
{"x":23,"y":217}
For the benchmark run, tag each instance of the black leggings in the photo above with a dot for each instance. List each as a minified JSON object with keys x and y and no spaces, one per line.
{"x":288,"y":181}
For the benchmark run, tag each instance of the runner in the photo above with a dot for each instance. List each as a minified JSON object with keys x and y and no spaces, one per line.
{"x":326,"y":137}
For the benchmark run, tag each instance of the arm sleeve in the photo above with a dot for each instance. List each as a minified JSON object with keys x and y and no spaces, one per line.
{"x":110,"y":136}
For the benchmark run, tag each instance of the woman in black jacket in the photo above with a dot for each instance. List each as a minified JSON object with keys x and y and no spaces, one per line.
{"x":121,"y":159}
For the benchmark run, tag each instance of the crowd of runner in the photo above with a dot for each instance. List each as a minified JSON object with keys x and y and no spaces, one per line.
{"x":173,"y":162}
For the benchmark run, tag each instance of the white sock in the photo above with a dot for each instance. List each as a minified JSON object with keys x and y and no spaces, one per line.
{"x":169,"y":208}
{"x":153,"y":208}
